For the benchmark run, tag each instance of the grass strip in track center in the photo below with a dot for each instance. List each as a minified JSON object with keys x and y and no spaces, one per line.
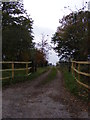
{"x":51,"y":76}
{"x":72,"y":85}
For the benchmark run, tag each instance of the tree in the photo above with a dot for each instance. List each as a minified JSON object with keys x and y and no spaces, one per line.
{"x":44,"y":48}
{"x":38,"y":59}
{"x":71,"y":37}
{"x":17,"y":32}
{"x":41,"y":58}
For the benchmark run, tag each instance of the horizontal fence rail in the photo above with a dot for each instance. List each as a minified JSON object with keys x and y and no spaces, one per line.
{"x":76,"y":69}
{"x":13,"y":69}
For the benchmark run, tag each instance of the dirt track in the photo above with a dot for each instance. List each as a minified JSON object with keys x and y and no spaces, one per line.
{"x":33,"y":100}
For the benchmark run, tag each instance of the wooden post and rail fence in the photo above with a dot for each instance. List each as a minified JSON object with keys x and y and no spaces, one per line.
{"x":13,"y":69}
{"x":77,"y":72}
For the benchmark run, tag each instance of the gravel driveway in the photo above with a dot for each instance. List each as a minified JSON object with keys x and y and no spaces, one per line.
{"x":33,"y":100}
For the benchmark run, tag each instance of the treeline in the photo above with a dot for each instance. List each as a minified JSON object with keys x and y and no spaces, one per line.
{"x":72,"y":37}
{"x":17,"y":35}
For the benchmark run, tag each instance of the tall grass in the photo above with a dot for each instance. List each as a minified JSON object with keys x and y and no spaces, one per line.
{"x":20,"y":76}
{"x":72,"y":85}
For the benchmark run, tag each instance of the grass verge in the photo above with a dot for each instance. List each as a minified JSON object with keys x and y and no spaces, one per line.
{"x":72,"y":85}
{"x":20,"y":77}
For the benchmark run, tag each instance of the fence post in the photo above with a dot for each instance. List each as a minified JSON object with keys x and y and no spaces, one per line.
{"x":72,"y":67}
{"x":75,"y":68}
{"x":78,"y":70}
{"x":26,"y":68}
{"x":12,"y":70}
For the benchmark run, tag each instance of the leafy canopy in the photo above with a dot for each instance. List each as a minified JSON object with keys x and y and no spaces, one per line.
{"x":71,"y":37}
{"x":16,"y":31}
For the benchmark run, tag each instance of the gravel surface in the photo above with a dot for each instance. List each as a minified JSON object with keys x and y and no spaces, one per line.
{"x":33,"y":100}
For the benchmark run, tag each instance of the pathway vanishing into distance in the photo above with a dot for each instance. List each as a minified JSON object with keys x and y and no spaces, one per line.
{"x":34,"y":100}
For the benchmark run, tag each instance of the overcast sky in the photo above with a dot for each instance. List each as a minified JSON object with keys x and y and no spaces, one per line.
{"x":46,"y":15}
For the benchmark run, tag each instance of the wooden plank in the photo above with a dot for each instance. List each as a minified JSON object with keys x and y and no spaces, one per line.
{"x":18,"y":69}
{"x":29,"y":74}
{"x":81,"y":62}
{"x":29,"y":68}
{"x":14,"y":62}
{"x":15,"y":69}
{"x":86,"y":86}
{"x":6,"y":70}
{"x":5,"y":78}
{"x":82,"y":73}
{"x":19,"y":62}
